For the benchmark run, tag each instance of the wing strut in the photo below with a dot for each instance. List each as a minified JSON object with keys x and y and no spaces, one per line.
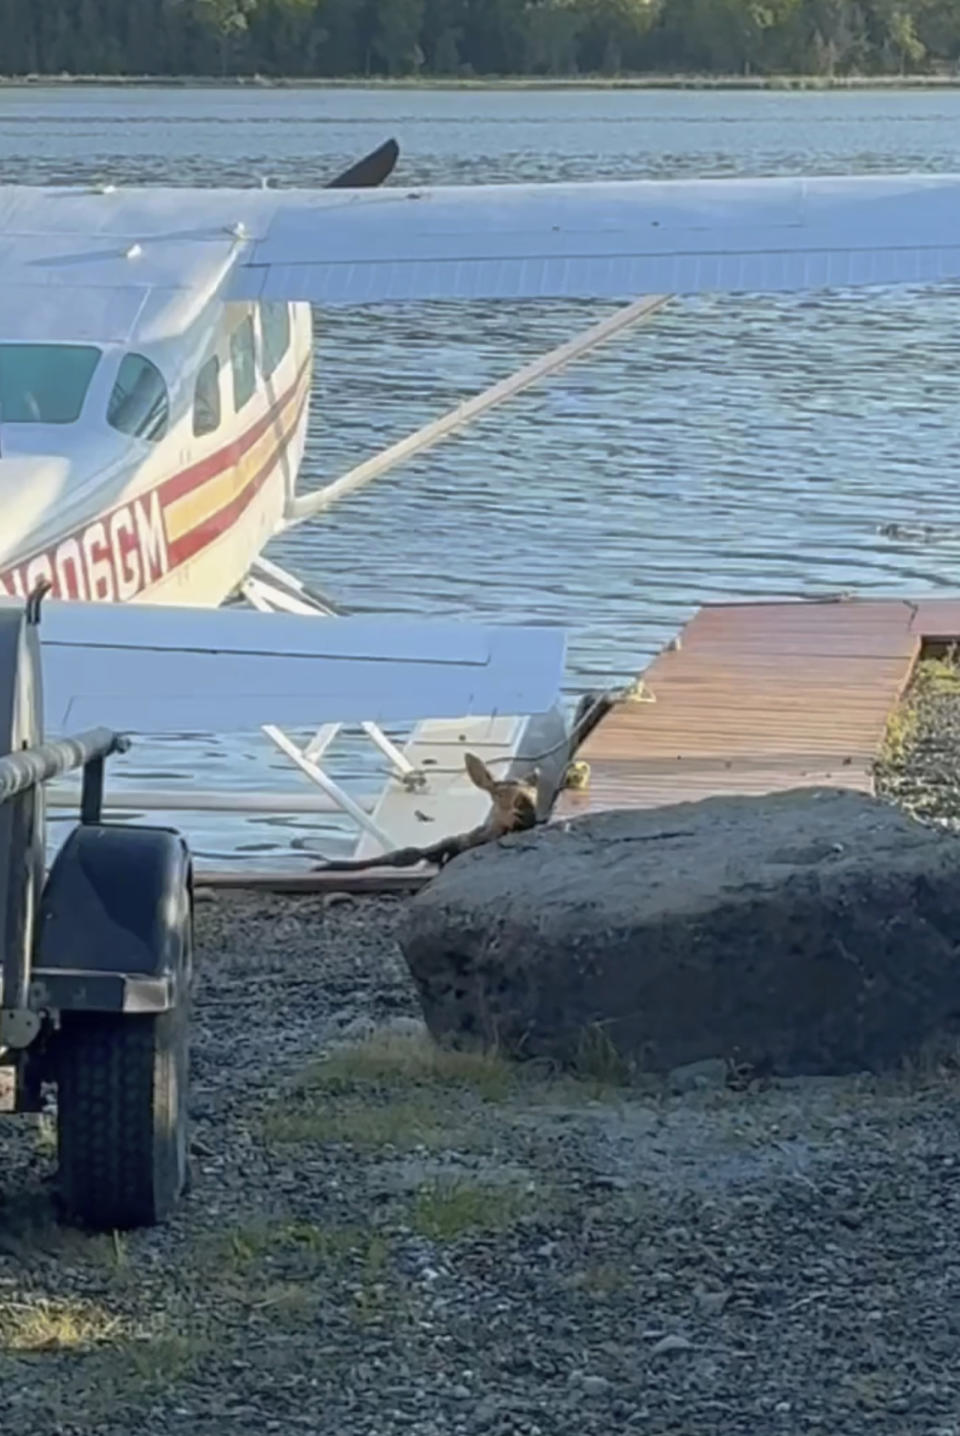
{"x":307,"y":506}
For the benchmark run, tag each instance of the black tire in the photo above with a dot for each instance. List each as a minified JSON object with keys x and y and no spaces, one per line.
{"x":122,"y":1117}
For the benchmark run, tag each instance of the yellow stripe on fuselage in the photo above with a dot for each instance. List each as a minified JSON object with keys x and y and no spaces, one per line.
{"x":213,"y":494}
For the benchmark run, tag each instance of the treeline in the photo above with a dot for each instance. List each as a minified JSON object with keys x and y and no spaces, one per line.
{"x":476,"y":37}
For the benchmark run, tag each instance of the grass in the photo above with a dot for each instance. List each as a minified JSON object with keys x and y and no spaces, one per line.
{"x":446,"y":1210}
{"x":284,"y":1272}
{"x":934,"y":677}
{"x":388,"y":1091}
{"x":46,"y":1324}
{"x":358,"y":1122}
{"x":940,"y":673}
{"x":158,"y":1364}
{"x":598,"y":1060}
{"x":406,"y":1093}
{"x":314,"y":1246}
{"x":81,"y":1368}
{"x":900,"y":734}
{"x":390,"y":1062}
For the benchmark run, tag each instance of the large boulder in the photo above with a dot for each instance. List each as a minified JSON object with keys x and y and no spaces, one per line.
{"x":809,"y":931}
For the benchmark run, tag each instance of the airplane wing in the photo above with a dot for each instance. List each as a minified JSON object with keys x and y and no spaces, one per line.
{"x":606,"y":239}
{"x":507,"y":242}
{"x":156,"y":669}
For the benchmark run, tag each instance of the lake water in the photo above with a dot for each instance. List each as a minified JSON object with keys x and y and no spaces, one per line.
{"x":730,"y":448}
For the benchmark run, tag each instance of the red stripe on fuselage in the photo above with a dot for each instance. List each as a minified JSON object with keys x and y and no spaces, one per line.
{"x":80,"y":565}
{"x":210,"y":529}
{"x":230,"y":455}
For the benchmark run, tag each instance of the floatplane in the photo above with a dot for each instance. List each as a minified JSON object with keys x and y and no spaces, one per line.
{"x":155,"y":368}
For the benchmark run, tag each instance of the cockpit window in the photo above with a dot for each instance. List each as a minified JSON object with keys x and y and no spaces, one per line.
{"x":275,"y":327}
{"x":243,"y":357}
{"x":206,"y":399}
{"x":139,"y":404}
{"x":45,"y":383}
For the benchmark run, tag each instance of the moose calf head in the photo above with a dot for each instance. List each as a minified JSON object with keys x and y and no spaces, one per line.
{"x":514,"y":799}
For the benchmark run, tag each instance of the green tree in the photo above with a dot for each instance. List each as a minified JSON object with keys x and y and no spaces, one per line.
{"x":396,"y":35}
{"x":614,"y":33}
{"x":839,"y":39}
{"x":551,"y":33}
{"x":229,"y":20}
{"x":905,"y":40}
{"x":286,"y":36}
{"x":938,"y":28}
{"x":900,"y":40}
{"x":18,"y":47}
{"x":495,"y":36}
{"x":442,"y":35}
{"x":344,"y":43}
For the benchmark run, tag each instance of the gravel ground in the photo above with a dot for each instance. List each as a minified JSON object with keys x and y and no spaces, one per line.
{"x":383,"y":1239}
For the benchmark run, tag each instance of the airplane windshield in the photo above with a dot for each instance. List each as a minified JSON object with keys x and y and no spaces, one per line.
{"x":45,"y":383}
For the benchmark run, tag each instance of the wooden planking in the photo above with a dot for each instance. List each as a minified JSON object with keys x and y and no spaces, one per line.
{"x":761,"y":697}
{"x":619,"y":786}
{"x":936,"y":619}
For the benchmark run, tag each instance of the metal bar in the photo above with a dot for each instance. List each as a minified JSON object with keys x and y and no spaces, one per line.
{"x":21,"y":903}
{"x":82,"y":990}
{"x":269,"y":573}
{"x":191,"y":800}
{"x":390,"y":751}
{"x":321,"y":741}
{"x":20,"y":771}
{"x":308,"y":505}
{"x":91,"y":796}
{"x":343,"y":799}
{"x":273,"y":601}
{"x":267,"y":593}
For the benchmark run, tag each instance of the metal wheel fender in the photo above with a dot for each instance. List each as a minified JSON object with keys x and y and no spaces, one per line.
{"x":118,"y":899}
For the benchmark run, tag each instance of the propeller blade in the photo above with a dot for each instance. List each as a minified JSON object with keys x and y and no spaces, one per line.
{"x":371,"y":171}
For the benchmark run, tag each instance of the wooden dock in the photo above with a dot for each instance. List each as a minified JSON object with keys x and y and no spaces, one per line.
{"x":761,"y":697}
{"x":751,"y":698}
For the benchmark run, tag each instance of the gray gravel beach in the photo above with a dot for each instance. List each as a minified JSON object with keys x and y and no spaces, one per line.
{"x":384,"y":1239}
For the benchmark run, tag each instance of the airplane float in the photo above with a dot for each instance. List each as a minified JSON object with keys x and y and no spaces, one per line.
{"x":155,"y":370}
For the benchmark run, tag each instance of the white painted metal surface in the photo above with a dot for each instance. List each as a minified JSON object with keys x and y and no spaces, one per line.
{"x":425,"y":795}
{"x":606,"y":239}
{"x":205,"y":800}
{"x":141,"y":669}
{"x":502,"y":241}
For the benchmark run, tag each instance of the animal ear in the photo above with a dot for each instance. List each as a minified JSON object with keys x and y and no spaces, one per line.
{"x":480,"y":775}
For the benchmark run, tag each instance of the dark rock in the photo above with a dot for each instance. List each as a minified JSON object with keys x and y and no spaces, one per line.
{"x":810,"y":931}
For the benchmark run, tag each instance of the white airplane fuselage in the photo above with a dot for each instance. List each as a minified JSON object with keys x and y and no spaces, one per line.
{"x":156,"y":469}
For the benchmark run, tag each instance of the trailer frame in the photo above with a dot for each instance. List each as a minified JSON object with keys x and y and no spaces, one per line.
{"x":96,"y":962}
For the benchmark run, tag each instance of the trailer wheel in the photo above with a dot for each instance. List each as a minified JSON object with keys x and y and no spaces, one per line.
{"x":122,"y":1117}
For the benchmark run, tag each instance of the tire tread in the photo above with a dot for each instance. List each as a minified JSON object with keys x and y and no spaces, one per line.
{"x":117,"y":1170}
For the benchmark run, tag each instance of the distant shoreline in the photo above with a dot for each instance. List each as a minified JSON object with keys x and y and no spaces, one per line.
{"x":518,"y":82}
